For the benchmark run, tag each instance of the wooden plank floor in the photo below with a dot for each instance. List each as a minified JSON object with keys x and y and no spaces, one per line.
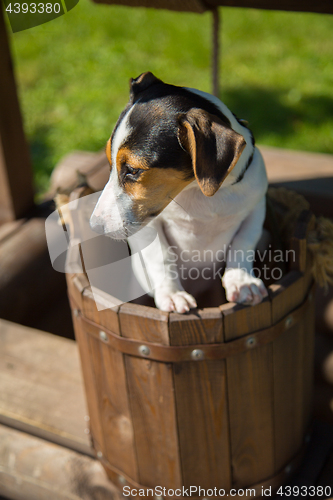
{"x":41,"y":386}
{"x":32,"y":468}
{"x":308,"y":173}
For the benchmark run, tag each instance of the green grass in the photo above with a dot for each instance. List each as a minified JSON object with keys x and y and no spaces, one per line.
{"x":73,"y":72}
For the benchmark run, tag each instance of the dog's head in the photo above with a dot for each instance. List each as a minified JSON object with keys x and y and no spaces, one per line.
{"x":165,"y":138}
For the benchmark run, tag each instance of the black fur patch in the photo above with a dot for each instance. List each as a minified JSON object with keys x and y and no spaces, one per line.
{"x":154,"y":123}
{"x":248,"y":163}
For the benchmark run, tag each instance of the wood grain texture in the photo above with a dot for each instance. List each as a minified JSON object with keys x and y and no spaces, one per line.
{"x":16,"y":184}
{"x":293,"y":365}
{"x":91,"y":379}
{"x":117,"y":420}
{"x":287,"y":294}
{"x":240,"y":320}
{"x":285,"y":165}
{"x":202,"y":413}
{"x":144,"y":323}
{"x":308,"y":362}
{"x":106,"y":317}
{"x":288,"y":360}
{"x":152,"y":403}
{"x":110,"y":388}
{"x":76,"y":284}
{"x":202,"y":327}
{"x":31,"y":469}
{"x":41,"y":386}
{"x":250,"y":395}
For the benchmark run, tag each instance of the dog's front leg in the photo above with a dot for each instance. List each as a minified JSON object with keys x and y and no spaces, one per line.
{"x":168,"y":293}
{"x":238,"y":280}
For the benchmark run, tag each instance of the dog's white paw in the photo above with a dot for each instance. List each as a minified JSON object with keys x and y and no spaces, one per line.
{"x":243,"y":288}
{"x":179,"y":301}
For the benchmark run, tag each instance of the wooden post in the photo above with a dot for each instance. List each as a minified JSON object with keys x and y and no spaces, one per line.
{"x":16,"y":189}
{"x":215,"y":51}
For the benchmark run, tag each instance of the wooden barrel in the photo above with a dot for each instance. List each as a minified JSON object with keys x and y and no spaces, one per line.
{"x":217,"y":399}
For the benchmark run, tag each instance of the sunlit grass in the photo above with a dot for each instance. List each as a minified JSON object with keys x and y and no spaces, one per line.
{"x":73,"y":72}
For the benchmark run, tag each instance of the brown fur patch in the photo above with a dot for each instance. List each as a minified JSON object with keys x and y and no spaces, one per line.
{"x":125,"y":155}
{"x":154,"y":190}
{"x":214,"y":148}
{"x":108,"y":151}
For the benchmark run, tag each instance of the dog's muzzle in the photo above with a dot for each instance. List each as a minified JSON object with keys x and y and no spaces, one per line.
{"x":96,"y":224}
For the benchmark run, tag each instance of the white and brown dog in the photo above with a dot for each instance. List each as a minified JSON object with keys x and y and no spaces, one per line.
{"x":182,"y":163}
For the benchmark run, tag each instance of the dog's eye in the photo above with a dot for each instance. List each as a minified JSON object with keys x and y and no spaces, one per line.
{"x":132,"y":172}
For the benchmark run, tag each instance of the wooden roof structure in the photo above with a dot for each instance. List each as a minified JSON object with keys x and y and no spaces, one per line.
{"x":200,"y":6}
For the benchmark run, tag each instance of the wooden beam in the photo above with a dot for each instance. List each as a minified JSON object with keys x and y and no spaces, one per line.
{"x":287,"y":165}
{"x":16,"y":185}
{"x":321,"y":6}
{"x":28,"y":283}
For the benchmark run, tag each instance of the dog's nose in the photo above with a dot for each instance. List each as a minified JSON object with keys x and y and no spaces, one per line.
{"x":96,"y":224}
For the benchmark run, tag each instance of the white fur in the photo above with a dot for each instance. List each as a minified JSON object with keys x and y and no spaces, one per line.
{"x":114,"y":206}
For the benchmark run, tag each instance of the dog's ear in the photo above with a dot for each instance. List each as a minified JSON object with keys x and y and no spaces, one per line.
{"x":142,"y":82}
{"x":213,"y":146}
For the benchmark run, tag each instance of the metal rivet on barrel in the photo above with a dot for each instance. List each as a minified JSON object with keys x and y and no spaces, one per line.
{"x":99,"y":454}
{"x":158,"y":497}
{"x":86,"y":430}
{"x":122,"y":480}
{"x":251,"y":342}
{"x":103,"y":336}
{"x":144,"y":350}
{"x":76,"y":312}
{"x":288,"y":321}
{"x":197,"y":354}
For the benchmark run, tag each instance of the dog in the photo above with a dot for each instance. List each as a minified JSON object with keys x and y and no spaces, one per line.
{"x":183,"y":164}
